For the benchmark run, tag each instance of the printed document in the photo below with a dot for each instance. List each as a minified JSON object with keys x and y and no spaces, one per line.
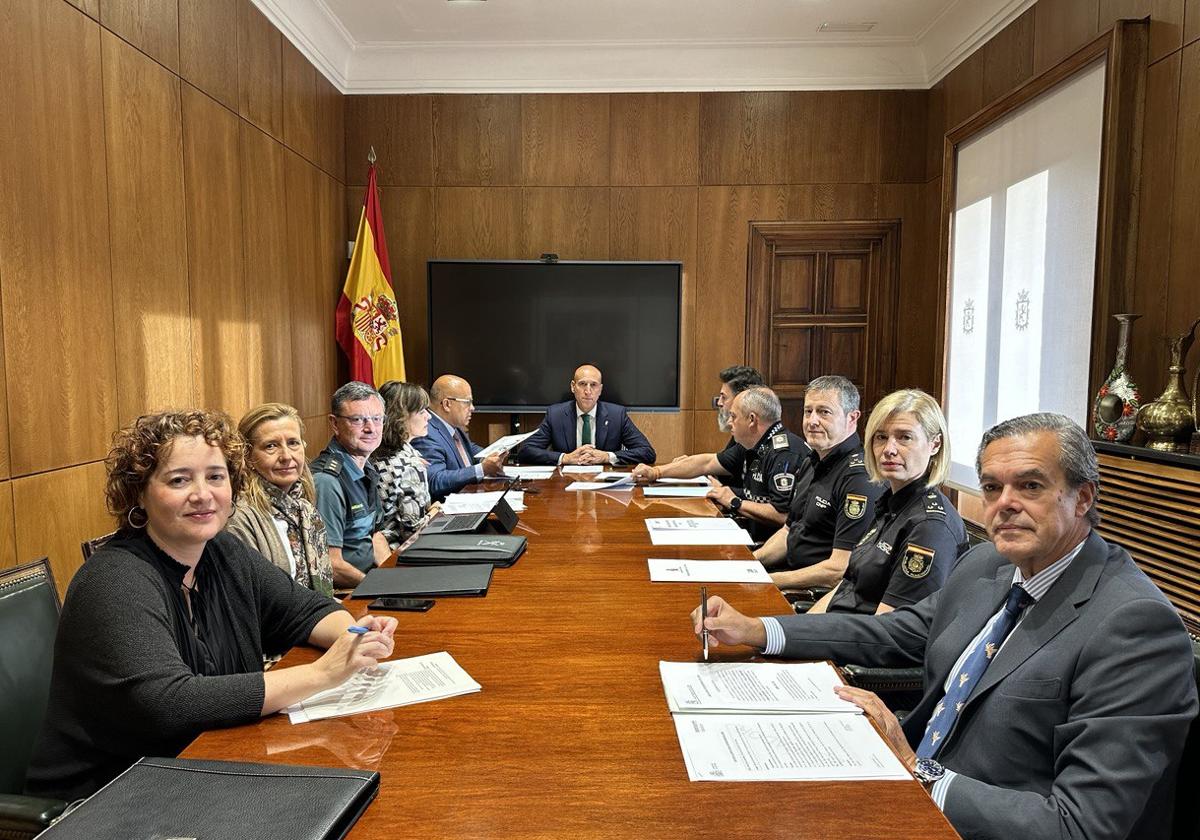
{"x":399,"y":682}
{"x":506,"y":442}
{"x":782,"y":748}
{"x":529,"y":473}
{"x":482,"y":502}
{"x":804,"y":687}
{"x":698,"y":480}
{"x":582,"y":469}
{"x":708,"y":571}
{"x":676,"y":492}
{"x":600,"y":485}
{"x":697,"y":530}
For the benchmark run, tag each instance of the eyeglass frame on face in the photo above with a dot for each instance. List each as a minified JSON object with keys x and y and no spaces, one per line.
{"x":357,"y":421}
{"x":464,"y":400}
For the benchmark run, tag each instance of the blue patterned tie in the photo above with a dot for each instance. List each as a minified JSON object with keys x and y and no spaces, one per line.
{"x":968,"y":676}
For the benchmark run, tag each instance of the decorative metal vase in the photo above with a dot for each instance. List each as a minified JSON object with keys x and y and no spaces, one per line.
{"x":1114,"y":413}
{"x":1168,"y":421}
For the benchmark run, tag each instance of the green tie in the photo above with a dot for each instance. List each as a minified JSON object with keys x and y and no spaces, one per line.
{"x":587,"y":429}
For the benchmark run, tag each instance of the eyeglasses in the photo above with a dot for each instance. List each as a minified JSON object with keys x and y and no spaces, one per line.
{"x":359,"y":420}
{"x":463,"y":400}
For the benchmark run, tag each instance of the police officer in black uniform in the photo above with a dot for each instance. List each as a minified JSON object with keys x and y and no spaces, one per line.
{"x":918,"y":536}
{"x":768,"y":460}
{"x":827,"y":521}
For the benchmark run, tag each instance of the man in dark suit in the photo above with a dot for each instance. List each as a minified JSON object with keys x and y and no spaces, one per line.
{"x":587,"y":431}
{"x":446,"y":447}
{"x":1058,"y":678}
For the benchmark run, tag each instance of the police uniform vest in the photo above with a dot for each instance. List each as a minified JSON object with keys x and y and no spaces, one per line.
{"x":910,"y":550}
{"x":359,"y":516}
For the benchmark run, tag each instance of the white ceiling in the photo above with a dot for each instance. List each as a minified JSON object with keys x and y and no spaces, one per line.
{"x":505,"y":46}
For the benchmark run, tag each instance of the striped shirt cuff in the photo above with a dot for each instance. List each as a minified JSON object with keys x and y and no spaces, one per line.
{"x":775,"y":637}
{"x":938,"y":791}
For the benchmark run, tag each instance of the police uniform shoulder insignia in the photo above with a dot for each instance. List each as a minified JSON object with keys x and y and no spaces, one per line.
{"x":934,"y":505}
{"x":855,"y":506}
{"x":917,"y":560}
{"x":779,"y":441}
{"x":856,"y":460}
{"x":784,"y":482}
{"x":326,"y":463}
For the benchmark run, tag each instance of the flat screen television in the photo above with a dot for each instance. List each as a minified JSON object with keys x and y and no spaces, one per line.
{"x":516,"y":330}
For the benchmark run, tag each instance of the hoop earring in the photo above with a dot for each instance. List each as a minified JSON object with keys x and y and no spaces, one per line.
{"x":136,"y":525}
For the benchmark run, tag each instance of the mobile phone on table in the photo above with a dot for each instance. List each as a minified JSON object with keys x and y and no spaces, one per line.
{"x":402,"y":604}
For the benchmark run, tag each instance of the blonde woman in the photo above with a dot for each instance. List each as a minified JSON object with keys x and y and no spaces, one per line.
{"x":277,"y":512}
{"x":917,"y":535}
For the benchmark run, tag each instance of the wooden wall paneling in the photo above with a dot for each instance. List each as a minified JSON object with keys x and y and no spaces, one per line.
{"x":56,"y":511}
{"x":1147,"y":357}
{"x":331,"y":129}
{"x":316,"y":433}
{"x":1166,"y":21}
{"x":655,"y":139}
{"x":5,"y":466}
{"x":1008,"y":57}
{"x":903,"y":127}
{"x":832,"y":202}
{"x":304,"y":268}
{"x":964,"y":91}
{"x":478,"y":224}
{"x":670,"y":433}
{"x":659,"y":223}
{"x":936,"y":136}
{"x":917,"y":324}
{"x":477,"y":139}
{"x":88,"y":7}
{"x":569,"y":221}
{"x":1061,"y":27}
{"x":54,"y":254}
{"x":331,"y":269}
{"x":208,"y":53}
{"x":299,"y":102}
{"x":1183,"y":299}
{"x":1191,"y":21}
{"x":8,"y":528}
{"x":147,"y":232}
{"x":401,"y":130}
{"x":260,"y":70}
{"x":227,"y":348}
{"x":408,"y":214}
{"x":722,"y":239}
{"x":833,"y":136}
{"x":150,"y":25}
{"x":706,"y":437}
{"x":268,"y":278}
{"x":744,"y":137}
{"x":565,"y":139}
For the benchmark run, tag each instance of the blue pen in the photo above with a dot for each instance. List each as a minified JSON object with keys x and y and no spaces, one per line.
{"x":358,"y":629}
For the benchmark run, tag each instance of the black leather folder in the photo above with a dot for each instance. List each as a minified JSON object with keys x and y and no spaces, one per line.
{"x":180,"y":797}
{"x":426,"y":582}
{"x":441,"y":549}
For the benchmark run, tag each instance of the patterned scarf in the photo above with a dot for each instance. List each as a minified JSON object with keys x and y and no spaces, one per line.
{"x":306,"y":536}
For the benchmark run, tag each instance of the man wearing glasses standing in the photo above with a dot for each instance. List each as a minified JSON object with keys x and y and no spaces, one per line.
{"x":446,"y":447}
{"x":347,"y":484}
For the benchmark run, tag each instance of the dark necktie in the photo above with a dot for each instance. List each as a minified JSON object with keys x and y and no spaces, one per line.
{"x":586,"y":436}
{"x":963,"y":683}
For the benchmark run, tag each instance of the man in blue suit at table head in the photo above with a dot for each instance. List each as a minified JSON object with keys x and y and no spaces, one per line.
{"x":450,"y":453}
{"x":587,"y":431}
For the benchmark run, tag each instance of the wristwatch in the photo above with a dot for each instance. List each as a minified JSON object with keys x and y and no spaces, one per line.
{"x":928,"y":771}
{"x":735,"y":504}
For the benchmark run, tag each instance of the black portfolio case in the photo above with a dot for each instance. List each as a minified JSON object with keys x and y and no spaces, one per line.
{"x":444,"y":549}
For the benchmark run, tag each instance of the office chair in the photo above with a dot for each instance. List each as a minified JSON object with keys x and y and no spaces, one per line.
{"x":1187,"y":805}
{"x":29,"y":608}
{"x":90,"y":547}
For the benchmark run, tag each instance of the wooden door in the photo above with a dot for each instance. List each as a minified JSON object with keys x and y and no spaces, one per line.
{"x":822,"y":300}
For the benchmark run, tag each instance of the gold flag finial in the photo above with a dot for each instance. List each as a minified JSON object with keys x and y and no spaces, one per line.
{"x":371,"y":156}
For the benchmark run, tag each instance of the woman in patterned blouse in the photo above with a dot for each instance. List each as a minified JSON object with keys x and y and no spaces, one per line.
{"x":403,"y":483}
{"x":277,"y":513}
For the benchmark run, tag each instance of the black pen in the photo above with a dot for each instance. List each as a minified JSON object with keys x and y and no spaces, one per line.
{"x":704,"y":619}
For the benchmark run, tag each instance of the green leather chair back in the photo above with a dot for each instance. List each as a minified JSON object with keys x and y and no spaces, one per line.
{"x":29,"y":608}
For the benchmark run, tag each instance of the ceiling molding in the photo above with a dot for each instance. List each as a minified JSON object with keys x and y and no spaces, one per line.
{"x":811,"y":62}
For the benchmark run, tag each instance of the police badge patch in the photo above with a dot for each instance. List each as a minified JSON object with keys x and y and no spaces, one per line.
{"x":784,"y":482}
{"x":855,"y":506}
{"x":917,"y":560}
{"x":779,"y":441}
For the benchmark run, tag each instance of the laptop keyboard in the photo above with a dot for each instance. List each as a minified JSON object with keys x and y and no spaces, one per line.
{"x":460,"y":520}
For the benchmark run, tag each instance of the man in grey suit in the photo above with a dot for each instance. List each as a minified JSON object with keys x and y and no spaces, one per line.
{"x":1059,"y":681}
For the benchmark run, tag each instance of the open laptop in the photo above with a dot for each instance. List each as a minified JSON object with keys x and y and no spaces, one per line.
{"x":465,"y":523}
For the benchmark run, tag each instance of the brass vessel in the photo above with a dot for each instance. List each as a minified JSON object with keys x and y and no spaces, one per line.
{"x":1168,"y":422}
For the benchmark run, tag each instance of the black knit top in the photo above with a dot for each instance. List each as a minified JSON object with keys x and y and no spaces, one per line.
{"x":136,"y":675}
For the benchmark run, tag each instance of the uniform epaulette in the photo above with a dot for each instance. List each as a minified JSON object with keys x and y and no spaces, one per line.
{"x":856,"y":460}
{"x":326,"y":463}
{"x":934,"y":506}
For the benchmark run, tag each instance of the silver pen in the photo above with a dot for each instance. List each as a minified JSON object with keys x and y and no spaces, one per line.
{"x":704,"y":619}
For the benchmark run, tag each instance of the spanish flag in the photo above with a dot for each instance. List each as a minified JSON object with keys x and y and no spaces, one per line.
{"x":368,"y":324}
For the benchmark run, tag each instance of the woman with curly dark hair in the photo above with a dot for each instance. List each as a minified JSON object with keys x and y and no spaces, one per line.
{"x":403,"y":481}
{"x":163,"y":630}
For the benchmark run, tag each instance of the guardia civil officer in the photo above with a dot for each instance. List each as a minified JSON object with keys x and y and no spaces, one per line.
{"x":770,"y":462}
{"x":917,"y":536}
{"x":828,"y":520}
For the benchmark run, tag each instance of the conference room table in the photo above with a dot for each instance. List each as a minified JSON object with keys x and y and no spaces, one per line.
{"x":570,"y":735}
